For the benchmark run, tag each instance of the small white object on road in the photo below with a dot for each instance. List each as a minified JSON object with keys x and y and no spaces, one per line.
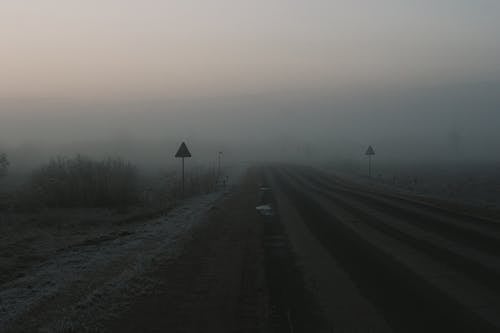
{"x":265,"y":210}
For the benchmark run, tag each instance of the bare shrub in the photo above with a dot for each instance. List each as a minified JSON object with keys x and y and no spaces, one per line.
{"x":82,"y":182}
{"x":201,"y":181}
{"x":198,"y":181}
{"x":4,"y":164}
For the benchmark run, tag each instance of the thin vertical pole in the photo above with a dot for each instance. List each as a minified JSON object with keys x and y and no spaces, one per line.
{"x":370,"y":166}
{"x":183,"y":177}
{"x":218,"y":166}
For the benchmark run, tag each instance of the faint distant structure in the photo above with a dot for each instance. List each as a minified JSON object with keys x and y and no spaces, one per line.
{"x":370,"y":152}
{"x":219,"y":157}
{"x":4,"y":164}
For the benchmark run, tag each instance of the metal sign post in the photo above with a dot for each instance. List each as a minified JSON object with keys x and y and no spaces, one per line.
{"x":183,"y":177}
{"x":182,"y":153}
{"x":218,"y":165}
{"x":370,"y":152}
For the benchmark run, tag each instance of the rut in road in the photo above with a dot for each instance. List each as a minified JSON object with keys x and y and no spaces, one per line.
{"x":472,"y":231}
{"x":482,"y":267}
{"x":408,"y":302}
{"x":469,"y":215}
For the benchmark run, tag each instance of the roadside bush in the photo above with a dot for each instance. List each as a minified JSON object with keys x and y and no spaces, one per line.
{"x":4,"y":164}
{"x":82,"y":182}
{"x":201,"y":181}
{"x":198,"y":181}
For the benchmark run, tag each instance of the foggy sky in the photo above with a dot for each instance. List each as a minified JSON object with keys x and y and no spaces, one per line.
{"x":334,"y":75}
{"x":156,"y":48}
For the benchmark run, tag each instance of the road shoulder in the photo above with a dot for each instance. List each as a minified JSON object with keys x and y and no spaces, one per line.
{"x":217,"y":284}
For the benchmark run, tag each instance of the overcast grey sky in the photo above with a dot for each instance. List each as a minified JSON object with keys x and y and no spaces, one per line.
{"x":145,"y":48}
{"x":415,"y":76}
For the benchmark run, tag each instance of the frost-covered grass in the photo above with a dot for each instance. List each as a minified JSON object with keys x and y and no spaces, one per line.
{"x":31,"y":232}
{"x":83,"y":270}
{"x":475,"y":184}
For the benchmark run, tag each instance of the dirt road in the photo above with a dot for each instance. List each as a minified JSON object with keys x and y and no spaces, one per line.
{"x":217,"y":284}
{"x":320,"y":254}
{"x":420,"y":266}
{"x":237,"y":274}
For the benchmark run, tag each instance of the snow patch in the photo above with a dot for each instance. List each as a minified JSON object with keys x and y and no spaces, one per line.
{"x":89,"y":272}
{"x":265,"y":210}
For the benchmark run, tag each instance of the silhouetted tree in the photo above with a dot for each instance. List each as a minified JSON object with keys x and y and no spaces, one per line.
{"x":4,"y":164}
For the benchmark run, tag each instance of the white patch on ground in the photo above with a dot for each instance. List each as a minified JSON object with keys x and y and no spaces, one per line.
{"x":88,"y":273}
{"x":265,"y":210}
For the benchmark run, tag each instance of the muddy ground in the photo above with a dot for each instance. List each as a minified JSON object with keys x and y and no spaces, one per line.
{"x":308,"y":260}
{"x":237,"y":274}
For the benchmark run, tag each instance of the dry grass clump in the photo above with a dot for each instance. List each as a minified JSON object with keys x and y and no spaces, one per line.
{"x":83,"y":182}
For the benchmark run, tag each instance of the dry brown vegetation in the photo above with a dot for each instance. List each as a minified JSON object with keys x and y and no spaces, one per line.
{"x":72,"y":201}
{"x":83,"y":182}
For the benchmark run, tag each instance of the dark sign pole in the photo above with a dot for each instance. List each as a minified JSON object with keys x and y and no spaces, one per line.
{"x":182,"y":153}
{"x":183,"y":181}
{"x":370,"y":152}
{"x":369,"y":166}
{"x":219,"y":162}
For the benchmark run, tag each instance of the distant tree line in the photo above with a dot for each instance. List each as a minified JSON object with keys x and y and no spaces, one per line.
{"x":83,"y":182}
{"x":4,"y":164}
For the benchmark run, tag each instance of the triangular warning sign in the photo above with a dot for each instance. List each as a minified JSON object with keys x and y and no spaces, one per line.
{"x":370,"y":151}
{"x":183,"y":151}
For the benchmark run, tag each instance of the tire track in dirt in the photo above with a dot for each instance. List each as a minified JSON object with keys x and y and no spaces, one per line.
{"x":217,"y":284}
